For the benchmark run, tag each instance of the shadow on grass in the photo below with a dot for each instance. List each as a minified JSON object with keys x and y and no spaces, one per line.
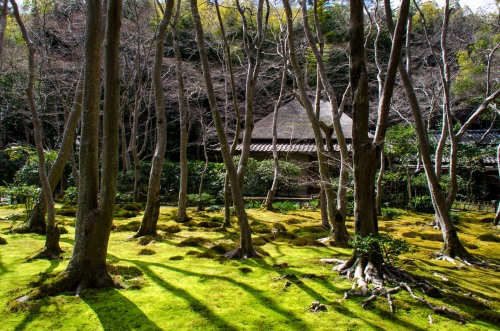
{"x":34,"y":309}
{"x":3,"y":269}
{"x":197,"y":306}
{"x":266,"y":301}
{"x":116,"y":312}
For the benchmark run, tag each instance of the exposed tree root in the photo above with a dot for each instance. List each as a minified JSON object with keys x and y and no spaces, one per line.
{"x":464,"y":257}
{"x":363,"y":272}
{"x":239,"y":253}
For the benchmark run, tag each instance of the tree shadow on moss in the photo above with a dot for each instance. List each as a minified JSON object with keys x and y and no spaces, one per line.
{"x":116,"y":312}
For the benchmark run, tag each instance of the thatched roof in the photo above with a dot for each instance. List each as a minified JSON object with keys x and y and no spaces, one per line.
{"x":293,"y":123}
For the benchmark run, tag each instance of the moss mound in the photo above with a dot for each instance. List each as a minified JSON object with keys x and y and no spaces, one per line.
{"x":311,"y":240}
{"x":223,"y":248}
{"x":125,"y":271}
{"x":293,"y":221}
{"x":132,"y":226}
{"x":3,"y":241}
{"x":490,"y":237}
{"x":260,"y":228}
{"x":147,"y":251}
{"x":193,"y":242}
{"x":432,"y":236}
{"x":209,"y":224}
{"x":131,"y":206}
{"x":169,"y":228}
{"x":146,"y":240}
{"x":176,"y":258}
{"x":67,"y":211}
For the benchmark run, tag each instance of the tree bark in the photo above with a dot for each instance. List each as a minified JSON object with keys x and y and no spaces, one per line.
{"x":51,"y":249}
{"x":338,"y":228}
{"x":496,"y":221}
{"x":36,"y":221}
{"x":368,"y":267}
{"x":246,"y":249}
{"x":183,"y":109}
{"x":272,"y":191}
{"x":152,"y":210}
{"x":3,"y":25}
{"x":87,"y":267}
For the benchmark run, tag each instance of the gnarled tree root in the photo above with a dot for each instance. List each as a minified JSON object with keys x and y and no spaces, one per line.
{"x":363,"y":273}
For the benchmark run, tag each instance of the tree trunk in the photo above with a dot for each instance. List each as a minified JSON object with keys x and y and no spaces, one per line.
{"x":246,"y":248}
{"x":496,"y":221}
{"x":340,"y":234}
{"x":3,"y":25}
{"x":87,"y":267}
{"x":183,"y":109}
{"x":380,"y":179}
{"x":51,"y":249}
{"x":367,"y":267}
{"x":272,"y":191}
{"x":36,"y":221}
{"x":152,"y":210}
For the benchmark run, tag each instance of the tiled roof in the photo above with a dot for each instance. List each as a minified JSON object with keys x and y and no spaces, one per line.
{"x":473,"y":136}
{"x":293,"y":123}
{"x":309,"y":148}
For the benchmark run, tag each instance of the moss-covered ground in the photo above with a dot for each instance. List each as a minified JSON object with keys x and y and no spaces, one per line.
{"x":167,"y":286}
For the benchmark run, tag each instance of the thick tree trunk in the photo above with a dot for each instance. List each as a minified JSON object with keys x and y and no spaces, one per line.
{"x":152,"y":210}
{"x":183,"y":109}
{"x":368,"y":267}
{"x":87,"y":267}
{"x":51,"y":249}
{"x":246,"y":249}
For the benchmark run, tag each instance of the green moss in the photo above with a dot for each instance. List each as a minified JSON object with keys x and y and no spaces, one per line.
{"x":146,"y":240}
{"x":132,"y":226}
{"x":147,"y":251}
{"x":489,"y":237}
{"x":193,"y":242}
{"x":3,"y":241}
{"x":169,"y":228}
{"x":197,"y":292}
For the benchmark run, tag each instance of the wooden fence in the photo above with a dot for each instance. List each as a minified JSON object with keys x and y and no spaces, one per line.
{"x":487,"y":206}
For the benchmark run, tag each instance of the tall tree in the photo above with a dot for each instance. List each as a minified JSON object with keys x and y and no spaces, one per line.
{"x":246,"y":249}
{"x":340,"y":234}
{"x":152,"y":211}
{"x":368,"y":267}
{"x":87,"y":267}
{"x":183,"y":119}
{"x":51,"y":249}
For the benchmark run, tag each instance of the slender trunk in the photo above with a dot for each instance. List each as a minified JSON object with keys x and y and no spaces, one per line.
{"x":51,"y":249}
{"x":380,"y":179}
{"x":3,"y":25}
{"x":246,"y":248}
{"x":36,"y":220}
{"x":227,"y":190}
{"x":496,"y":221}
{"x":272,"y":191}
{"x":183,"y":109}
{"x":337,"y":228}
{"x":124,"y":148}
{"x":152,"y":210}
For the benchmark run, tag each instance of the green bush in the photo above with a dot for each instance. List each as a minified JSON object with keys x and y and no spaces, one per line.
{"x":390,"y":213}
{"x":25,"y":194}
{"x":284,"y":206}
{"x":384,"y":244}
{"x":71,"y":195}
{"x":423,"y":204}
{"x":202,"y":200}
